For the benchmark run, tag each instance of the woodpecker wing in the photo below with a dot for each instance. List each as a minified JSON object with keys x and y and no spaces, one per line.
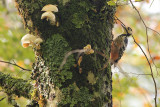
{"x":118,"y":47}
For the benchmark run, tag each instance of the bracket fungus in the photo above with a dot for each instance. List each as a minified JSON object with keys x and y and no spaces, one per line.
{"x":30,"y":40}
{"x":48,"y":14}
{"x":50,"y":7}
{"x":27,"y":40}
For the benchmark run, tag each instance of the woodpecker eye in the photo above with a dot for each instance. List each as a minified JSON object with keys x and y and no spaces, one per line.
{"x":129,"y":29}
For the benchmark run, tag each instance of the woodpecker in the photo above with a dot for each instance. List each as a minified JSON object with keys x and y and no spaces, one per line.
{"x":119,"y":45}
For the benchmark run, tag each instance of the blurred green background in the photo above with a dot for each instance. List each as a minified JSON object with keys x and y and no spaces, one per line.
{"x":131,"y":88}
{"x":11,"y":32}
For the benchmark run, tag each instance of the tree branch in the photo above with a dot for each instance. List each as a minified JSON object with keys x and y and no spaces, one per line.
{"x":151,"y":3}
{"x":15,"y":65}
{"x":146,"y":27}
{"x":15,"y":86}
{"x":146,"y":30}
{"x":2,"y":98}
{"x":155,"y":85}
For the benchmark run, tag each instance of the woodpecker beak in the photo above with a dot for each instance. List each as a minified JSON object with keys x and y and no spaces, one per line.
{"x":124,"y":27}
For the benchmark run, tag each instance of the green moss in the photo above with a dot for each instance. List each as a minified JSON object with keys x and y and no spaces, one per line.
{"x":70,"y":96}
{"x":79,"y":19}
{"x":16,"y":86}
{"x":54,"y":50}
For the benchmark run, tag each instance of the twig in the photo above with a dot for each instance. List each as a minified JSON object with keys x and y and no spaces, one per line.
{"x":2,"y":98}
{"x":15,"y":65}
{"x":102,"y":54}
{"x":146,"y":28}
{"x":154,"y":31}
{"x":155,"y":85}
{"x":148,"y":52}
{"x":137,"y":74}
{"x":119,"y":20}
{"x":79,"y":51}
{"x":151,"y":3}
{"x":155,"y":99}
{"x":122,"y":71}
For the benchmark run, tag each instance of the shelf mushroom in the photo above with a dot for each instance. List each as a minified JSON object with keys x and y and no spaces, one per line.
{"x":49,"y":16}
{"x":27,"y":40}
{"x":50,"y":8}
{"x":31,"y":40}
{"x":49,"y":13}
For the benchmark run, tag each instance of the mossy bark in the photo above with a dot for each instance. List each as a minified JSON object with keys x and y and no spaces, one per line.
{"x":15,"y":86}
{"x":81,"y":22}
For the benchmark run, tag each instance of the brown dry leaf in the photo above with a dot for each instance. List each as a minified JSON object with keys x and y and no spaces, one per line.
{"x":156,"y":57}
{"x":41,"y":102}
{"x":79,"y":60}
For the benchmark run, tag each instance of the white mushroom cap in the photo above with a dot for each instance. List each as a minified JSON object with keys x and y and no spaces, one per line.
{"x":49,"y":16}
{"x":38,"y":41}
{"x":50,"y":7}
{"x":27,"y":40}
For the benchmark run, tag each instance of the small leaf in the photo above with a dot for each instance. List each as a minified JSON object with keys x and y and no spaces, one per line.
{"x":79,"y":60}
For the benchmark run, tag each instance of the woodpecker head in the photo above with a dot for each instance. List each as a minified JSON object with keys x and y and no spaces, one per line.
{"x":127,"y":30}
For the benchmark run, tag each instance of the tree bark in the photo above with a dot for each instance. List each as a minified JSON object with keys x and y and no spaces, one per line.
{"x":81,"y":22}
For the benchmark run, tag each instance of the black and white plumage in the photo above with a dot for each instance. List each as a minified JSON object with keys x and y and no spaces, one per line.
{"x":119,"y":45}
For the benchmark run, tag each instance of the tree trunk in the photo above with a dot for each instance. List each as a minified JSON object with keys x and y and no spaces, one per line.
{"x":81,"y":22}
